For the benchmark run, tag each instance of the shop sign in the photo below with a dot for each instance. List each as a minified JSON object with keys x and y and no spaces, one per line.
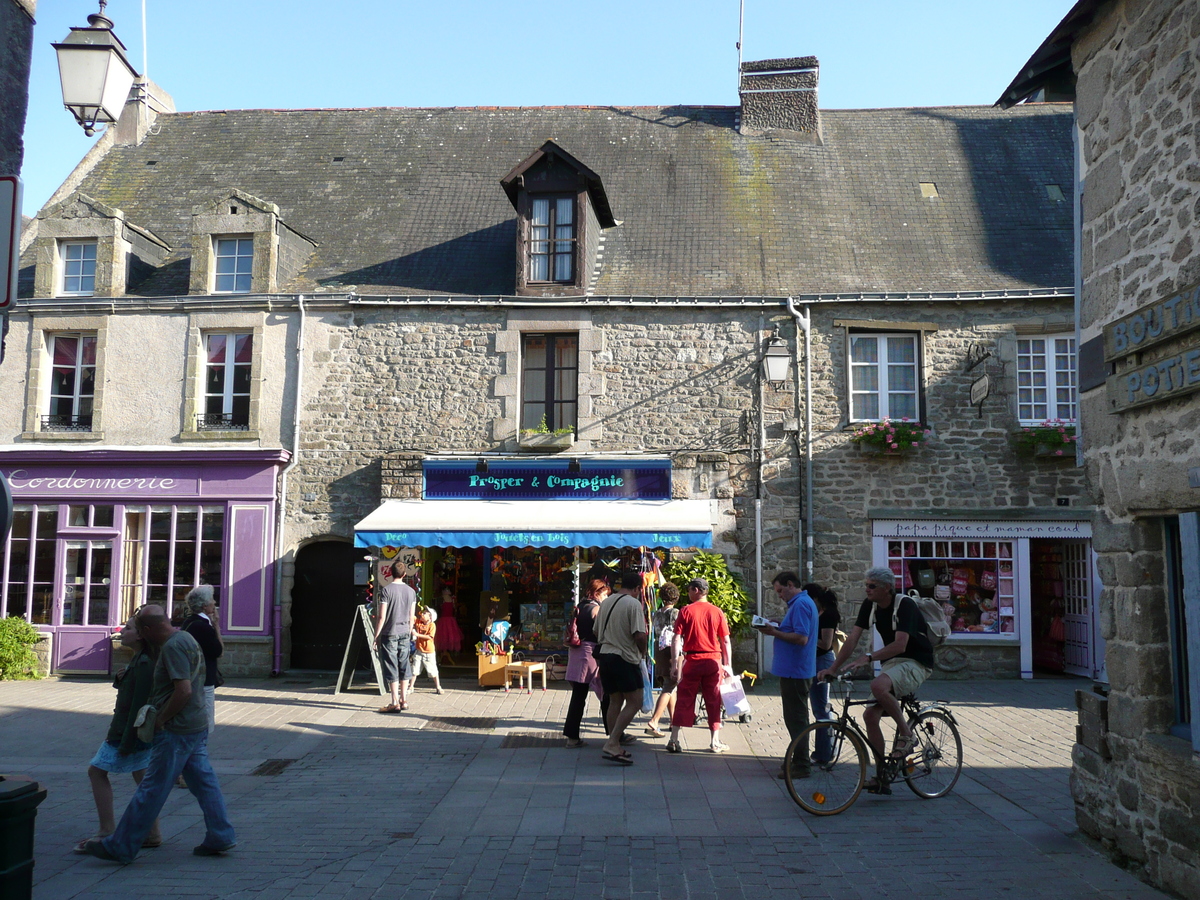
{"x":1153,"y":381}
{"x":91,"y":481}
{"x":1153,"y":325}
{"x":951,"y":529}
{"x":601,"y":479}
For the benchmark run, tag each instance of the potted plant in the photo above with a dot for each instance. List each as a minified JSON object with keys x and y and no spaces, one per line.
{"x":889,"y":437}
{"x":1054,"y":437}
{"x":542,"y":438}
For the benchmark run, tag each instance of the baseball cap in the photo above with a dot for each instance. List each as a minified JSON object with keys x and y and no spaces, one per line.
{"x":701,"y":583}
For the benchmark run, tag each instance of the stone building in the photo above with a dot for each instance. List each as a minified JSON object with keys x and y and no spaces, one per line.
{"x":513,"y":345}
{"x":1131,"y":70}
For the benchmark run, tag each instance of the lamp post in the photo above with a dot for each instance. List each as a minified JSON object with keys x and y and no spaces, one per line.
{"x":776,"y":361}
{"x":95,"y":73}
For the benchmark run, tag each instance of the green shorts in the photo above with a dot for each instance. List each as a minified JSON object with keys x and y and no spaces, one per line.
{"x":907,"y":675}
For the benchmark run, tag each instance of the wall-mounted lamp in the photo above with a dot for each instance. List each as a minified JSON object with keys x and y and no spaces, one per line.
{"x":95,"y":74}
{"x":481,"y":467}
{"x":776,"y":361}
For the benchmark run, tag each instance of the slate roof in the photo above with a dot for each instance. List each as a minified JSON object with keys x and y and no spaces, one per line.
{"x":415,"y":206}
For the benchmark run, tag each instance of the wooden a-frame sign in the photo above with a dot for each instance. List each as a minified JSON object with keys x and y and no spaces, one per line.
{"x":362,"y":637}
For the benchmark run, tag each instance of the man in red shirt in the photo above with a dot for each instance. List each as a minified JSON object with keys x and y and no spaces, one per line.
{"x":702,"y":658}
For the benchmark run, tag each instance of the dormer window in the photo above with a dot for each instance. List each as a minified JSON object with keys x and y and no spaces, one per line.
{"x":552,"y":239}
{"x":562,"y":211}
{"x":78,"y":269}
{"x":234,"y":265}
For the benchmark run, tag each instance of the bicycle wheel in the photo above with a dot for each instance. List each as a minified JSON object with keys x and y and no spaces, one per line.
{"x":834,"y":785}
{"x":932,"y":769}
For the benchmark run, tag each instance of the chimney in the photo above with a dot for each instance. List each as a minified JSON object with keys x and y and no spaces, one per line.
{"x":147,"y":101}
{"x":780,"y":93}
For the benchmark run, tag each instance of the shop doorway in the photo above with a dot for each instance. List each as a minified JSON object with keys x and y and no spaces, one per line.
{"x":1063,"y":607}
{"x":324,"y":598}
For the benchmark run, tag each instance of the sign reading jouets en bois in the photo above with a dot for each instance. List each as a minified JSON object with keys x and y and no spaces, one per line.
{"x":600,"y":479}
{"x":10,"y":238}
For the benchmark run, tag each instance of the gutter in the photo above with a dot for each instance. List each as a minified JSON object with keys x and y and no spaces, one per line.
{"x":277,"y":611}
{"x":804,"y":527}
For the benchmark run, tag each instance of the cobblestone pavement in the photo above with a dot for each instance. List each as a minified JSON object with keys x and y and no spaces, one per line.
{"x":471,"y":795}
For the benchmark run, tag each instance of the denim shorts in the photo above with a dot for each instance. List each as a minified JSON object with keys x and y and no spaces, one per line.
{"x":393,"y":657}
{"x":107,"y":759}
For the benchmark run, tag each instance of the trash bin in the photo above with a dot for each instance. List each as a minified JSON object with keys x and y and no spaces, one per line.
{"x":18,"y":805}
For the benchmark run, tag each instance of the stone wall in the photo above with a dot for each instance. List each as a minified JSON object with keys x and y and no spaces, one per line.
{"x":385,"y":387}
{"x":16,"y":47}
{"x":1137,"y":111}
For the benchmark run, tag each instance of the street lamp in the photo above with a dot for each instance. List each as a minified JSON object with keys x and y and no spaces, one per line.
{"x":776,"y":361}
{"x":96,"y":76}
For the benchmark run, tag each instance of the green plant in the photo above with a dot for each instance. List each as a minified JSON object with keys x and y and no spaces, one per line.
{"x":544,"y":428}
{"x":17,"y":659}
{"x":890,"y":434}
{"x":725,"y":589}
{"x":1057,"y":436}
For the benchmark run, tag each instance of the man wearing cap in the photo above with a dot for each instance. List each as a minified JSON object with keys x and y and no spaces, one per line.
{"x":395,"y":610}
{"x":702,"y":658}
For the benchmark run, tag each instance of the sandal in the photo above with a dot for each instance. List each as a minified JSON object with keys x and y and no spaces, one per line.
{"x":673,"y":747}
{"x":390,"y":708}
{"x":623,"y":757}
{"x":902,"y":746}
{"x":878,"y":786}
{"x":654,"y":732}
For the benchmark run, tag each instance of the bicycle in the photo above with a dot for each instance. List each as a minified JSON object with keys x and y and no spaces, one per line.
{"x":931,"y":768}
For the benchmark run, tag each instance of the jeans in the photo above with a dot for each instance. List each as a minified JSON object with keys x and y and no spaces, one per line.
{"x":818,"y":697}
{"x":794,"y":692}
{"x":171,"y":755}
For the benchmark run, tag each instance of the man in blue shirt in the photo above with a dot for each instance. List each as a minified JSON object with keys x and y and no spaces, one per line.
{"x":795,"y":660}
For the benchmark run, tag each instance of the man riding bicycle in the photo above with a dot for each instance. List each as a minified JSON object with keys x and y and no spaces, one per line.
{"x":907,"y":657}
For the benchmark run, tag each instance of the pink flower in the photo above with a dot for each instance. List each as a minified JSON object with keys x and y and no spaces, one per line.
{"x":1058,"y":453}
{"x":897,"y":447}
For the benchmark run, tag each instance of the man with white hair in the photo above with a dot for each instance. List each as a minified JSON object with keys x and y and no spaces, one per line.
{"x":907,"y":657}
{"x":201,"y":623}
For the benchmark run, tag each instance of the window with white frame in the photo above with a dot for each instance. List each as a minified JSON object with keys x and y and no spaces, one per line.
{"x":1046,"y":379}
{"x":28,"y":564}
{"x":78,"y":269}
{"x":884,"y":377}
{"x":227,"y":368}
{"x":552,"y":239}
{"x":72,"y":382}
{"x":234,"y":265}
{"x":168,"y":550}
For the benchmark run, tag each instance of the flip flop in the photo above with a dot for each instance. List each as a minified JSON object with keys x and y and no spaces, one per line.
{"x":623,"y":757}
{"x":654,"y":732}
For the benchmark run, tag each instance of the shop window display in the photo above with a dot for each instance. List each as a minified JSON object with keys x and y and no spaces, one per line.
{"x":973,"y":581}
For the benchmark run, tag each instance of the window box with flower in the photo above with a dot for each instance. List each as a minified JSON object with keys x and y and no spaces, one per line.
{"x":889,"y":437}
{"x":1053,"y":438}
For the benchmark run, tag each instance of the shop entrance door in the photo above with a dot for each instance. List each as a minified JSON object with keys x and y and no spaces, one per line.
{"x":324,"y":599}
{"x":86,"y":586}
{"x":1079,"y":656}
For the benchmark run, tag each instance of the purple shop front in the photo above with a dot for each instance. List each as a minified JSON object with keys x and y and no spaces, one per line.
{"x":98,"y":533}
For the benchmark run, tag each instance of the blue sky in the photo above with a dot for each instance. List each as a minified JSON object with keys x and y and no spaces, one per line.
{"x":250,"y":54}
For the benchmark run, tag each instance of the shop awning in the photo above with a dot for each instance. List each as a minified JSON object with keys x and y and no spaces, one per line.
{"x":537,"y":523}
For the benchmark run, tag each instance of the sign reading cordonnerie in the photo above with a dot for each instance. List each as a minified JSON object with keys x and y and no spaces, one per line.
{"x":600,"y":479}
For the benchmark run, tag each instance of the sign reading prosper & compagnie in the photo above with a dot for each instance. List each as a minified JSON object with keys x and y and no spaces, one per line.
{"x":598,"y":479}
{"x":1174,"y":370}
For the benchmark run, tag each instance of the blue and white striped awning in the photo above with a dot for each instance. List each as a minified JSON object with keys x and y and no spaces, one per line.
{"x":537,"y":523}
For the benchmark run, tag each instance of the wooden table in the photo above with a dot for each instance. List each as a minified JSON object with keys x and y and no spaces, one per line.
{"x":524,"y":671}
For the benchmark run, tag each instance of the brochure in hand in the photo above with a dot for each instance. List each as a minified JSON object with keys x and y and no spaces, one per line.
{"x":759,"y":621}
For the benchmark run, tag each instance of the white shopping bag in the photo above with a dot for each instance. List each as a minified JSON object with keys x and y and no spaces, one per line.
{"x":733,"y":697}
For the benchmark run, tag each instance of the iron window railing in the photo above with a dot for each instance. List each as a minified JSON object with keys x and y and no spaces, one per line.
{"x":66,"y":423}
{"x":221,"y":422}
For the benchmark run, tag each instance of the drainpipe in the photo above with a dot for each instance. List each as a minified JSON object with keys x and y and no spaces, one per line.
{"x":277,"y":612}
{"x":804,"y":526}
{"x":760,"y":445}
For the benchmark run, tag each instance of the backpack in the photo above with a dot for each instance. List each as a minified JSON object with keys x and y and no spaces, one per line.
{"x":931,"y":611}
